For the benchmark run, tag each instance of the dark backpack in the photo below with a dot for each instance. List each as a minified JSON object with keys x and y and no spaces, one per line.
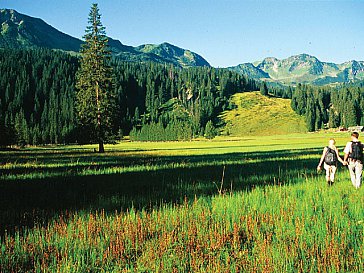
{"x":330,"y":157}
{"x":356,"y":150}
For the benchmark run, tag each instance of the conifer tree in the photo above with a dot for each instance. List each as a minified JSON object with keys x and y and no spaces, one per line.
{"x":264,"y":89}
{"x":95,"y":103}
{"x":311,"y":114}
{"x":210,"y":130}
{"x":334,"y":120}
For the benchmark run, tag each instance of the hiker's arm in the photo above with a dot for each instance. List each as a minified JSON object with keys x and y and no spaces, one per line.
{"x":339,"y":157}
{"x":346,"y":153}
{"x":346,"y":158}
{"x":322,"y":159}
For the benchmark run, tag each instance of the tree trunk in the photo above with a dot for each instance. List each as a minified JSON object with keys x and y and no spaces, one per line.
{"x":101,"y":147}
{"x":99,"y":133}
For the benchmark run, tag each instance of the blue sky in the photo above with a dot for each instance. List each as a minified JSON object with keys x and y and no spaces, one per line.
{"x":226,"y":33}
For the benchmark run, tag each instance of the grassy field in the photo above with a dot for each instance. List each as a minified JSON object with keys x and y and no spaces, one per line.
{"x":258,"y":114}
{"x":161,"y":207}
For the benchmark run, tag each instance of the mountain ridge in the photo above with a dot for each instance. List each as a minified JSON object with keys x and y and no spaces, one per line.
{"x":22,"y":31}
{"x":302,"y":68}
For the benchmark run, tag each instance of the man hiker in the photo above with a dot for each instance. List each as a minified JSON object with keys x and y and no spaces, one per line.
{"x":354,"y":159}
{"x":330,"y":157}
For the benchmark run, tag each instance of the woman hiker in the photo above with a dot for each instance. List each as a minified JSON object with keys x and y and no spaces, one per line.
{"x":330,"y":157}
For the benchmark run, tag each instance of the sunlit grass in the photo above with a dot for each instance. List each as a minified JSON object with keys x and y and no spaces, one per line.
{"x":156,"y":207}
{"x":119,"y":158}
{"x":258,"y":114}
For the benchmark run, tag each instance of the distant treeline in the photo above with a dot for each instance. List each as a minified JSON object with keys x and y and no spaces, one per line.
{"x":329,"y":107}
{"x":37,"y":94}
{"x":277,"y":90}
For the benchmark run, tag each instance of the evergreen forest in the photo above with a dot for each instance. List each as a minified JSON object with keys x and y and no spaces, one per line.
{"x":329,"y":107}
{"x":154,"y":101}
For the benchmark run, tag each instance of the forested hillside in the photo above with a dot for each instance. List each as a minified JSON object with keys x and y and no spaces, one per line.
{"x":329,"y":107}
{"x":155,"y":102}
{"x":37,"y":96}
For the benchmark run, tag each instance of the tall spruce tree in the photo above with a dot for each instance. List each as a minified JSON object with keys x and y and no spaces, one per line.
{"x":264,"y":89}
{"x":95,"y":102}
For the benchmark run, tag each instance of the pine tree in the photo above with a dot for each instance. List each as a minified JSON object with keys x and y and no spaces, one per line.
{"x":3,"y":135}
{"x":350,"y":118}
{"x":210,"y":130}
{"x":334,"y":120}
{"x":95,"y":103}
{"x":311,"y":113}
{"x":21,"y":129}
{"x":264,"y":89}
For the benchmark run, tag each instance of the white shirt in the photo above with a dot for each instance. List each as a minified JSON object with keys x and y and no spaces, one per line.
{"x":347,"y":149}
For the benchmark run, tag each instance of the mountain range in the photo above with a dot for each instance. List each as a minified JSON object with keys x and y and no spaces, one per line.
{"x":302,"y":68}
{"x":23,"y":31}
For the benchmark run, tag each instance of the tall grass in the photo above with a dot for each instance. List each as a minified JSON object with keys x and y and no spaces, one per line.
{"x":158,"y":209}
{"x":306,"y":227}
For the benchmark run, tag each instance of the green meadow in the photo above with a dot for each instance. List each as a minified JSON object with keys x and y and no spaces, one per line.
{"x":254,"y":114}
{"x":249,"y":204}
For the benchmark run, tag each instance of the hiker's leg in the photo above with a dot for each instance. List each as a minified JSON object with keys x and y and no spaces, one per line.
{"x":351,"y":168}
{"x":328,"y":172}
{"x":332,"y":174}
{"x":358,"y":173}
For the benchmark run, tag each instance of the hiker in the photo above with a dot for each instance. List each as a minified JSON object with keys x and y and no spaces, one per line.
{"x":330,"y":157}
{"x":354,"y":159}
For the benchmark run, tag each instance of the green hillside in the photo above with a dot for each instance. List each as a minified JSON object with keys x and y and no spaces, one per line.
{"x":174,"y":54}
{"x":257,"y":114}
{"x":251,"y":71}
{"x":21,"y":31}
